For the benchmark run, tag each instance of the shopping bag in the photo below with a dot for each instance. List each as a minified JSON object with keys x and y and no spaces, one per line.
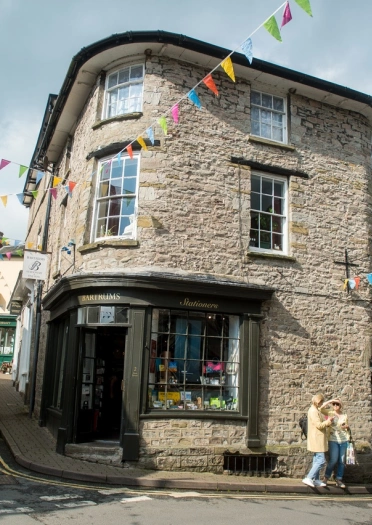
{"x":350,"y":454}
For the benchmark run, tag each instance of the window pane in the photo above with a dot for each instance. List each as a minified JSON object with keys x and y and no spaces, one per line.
{"x":123,"y":76}
{"x":130,"y":169}
{"x":256,"y":98}
{"x":277,"y":120}
{"x":267,"y":186}
{"x":135,"y":90}
{"x":254,"y":220}
{"x":121,"y":314}
{"x":136,"y":72}
{"x":103,"y":209}
{"x":112,"y":80}
{"x":265,"y":222}
{"x":278,"y":206}
{"x":278,"y":104}
{"x":178,"y":322}
{"x":255,"y":201}
{"x":277,"y":241}
{"x":253,"y":238}
{"x":114,"y":207}
{"x":278,"y":189}
{"x":255,"y":113}
{"x":266,"y":131}
{"x":101,"y":228}
{"x":129,"y":185}
{"x":116,"y":170}
{"x":277,"y":224}
{"x":278,"y":134}
{"x":103,"y":189}
{"x":267,"y":101}
{"x":265,"y":240}
{"x":115,"y":187}
{"x":266,"y":117}
{"x":255,"y":127}
{"x":124,"y":93}
{"x":127,"y":206}
{"x":255,"y":183}
{"x":267,"y":203}
{"x":113,"y":226}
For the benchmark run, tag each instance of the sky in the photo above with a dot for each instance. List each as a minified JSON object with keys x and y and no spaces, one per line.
{"x":38,"y":39}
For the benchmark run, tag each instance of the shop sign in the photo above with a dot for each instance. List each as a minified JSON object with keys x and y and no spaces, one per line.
{"x":198,"y":304}
{"x":15,"y":307}
{"x":100,"y":297}
{"x":34,"y":265}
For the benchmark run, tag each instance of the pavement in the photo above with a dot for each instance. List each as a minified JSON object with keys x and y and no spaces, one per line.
{"x":33,"y":447}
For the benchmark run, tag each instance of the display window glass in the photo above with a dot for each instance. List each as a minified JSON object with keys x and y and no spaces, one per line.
{"x":194,"y":361}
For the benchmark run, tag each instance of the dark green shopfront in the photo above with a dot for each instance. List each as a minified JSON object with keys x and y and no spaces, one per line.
{"x":123,"y":348}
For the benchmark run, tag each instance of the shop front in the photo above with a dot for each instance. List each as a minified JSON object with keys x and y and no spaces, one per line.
{"x":8,"y":325}
{"x":125,"y":350}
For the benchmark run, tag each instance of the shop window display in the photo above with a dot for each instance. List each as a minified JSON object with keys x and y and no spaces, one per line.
{"x":194,"y":361}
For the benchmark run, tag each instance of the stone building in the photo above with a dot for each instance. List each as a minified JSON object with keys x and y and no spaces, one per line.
{"x":193,"y":304}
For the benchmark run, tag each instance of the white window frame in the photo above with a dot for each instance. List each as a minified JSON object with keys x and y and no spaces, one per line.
{"x":284,"y":216}
{"x":272,"y":111}
{"x":129,"y":83}
{"x":130,"y":232}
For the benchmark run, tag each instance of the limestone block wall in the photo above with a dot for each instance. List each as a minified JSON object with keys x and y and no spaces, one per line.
{"x":194,"y":216}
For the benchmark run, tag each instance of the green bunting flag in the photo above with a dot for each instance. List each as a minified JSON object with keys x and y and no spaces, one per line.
{"x":22,"y":169}
{"x":271,"y":26}
{"x":305,"y":4}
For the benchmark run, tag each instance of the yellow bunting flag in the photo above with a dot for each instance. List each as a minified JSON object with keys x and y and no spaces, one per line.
{"x":209,"y":82}
{"x":56,"y":181}
{"x":30,"y":245}
{"x":142,"y":143}
{"x":4,"y":199}
{"x":345,"y":283}
{"x":227,"y":66}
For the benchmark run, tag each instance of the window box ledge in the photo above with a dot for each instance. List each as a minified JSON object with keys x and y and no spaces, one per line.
{"x":271,"y":256}
{"x":118,"y":118}
{"x":123,"y":243}
{"x":260,"y":140}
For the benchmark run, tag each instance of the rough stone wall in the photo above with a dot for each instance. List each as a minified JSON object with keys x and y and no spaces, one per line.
{"x":194,"y":208}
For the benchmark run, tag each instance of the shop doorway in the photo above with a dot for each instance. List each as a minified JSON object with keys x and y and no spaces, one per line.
{"x":101,"y":377}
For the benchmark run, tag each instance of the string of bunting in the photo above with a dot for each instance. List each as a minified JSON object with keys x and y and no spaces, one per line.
{"x":270,"y":24}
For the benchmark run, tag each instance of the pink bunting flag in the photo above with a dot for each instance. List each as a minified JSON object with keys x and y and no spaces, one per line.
{"x":4,"y":163}
{"x":53,"y":191}
{"x":175,"y":113}
{"x":287,"y":15}
{"x":8,"y":254}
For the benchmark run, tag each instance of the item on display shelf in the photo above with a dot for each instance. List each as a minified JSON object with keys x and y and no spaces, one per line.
{"x":157,"y":404}
{"x":186,"y":396}
{"x":213,"y":366}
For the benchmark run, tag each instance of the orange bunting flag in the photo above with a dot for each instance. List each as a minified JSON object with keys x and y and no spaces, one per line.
{"x":4,"y":199}
{"x":71,"y":186}
{"x":209,"y":82}
{"x":56,"y":181}
{"x":130,"y":150}
{"x":227,"y":66}
{"x":142,"y":143}
{"x":357,"y":282}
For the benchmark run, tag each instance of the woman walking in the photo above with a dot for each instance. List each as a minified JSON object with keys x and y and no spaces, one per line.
{"x":316,"y":440}
{"x":338,"y":438}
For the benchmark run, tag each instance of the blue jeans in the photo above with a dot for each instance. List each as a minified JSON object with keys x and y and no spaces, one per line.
{"x":318,"y":462}
{"x":337,"y":455}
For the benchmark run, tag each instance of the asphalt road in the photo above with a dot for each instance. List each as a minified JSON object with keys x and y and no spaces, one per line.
{"x":29,"y":499}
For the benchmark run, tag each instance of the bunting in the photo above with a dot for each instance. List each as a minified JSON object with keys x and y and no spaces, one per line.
{"x":22,"y":170}
{"x":287,"y":15}
{"x":71,"y":186}
{"x":130,"y":151}
{"x":175,"y":113}
{"x":53,"y":191}
{"x":163,"y":124}
{"x":4,"y":163}
{"x":34,"y":193}
{"x":209,"y":82}
{"x":150,"y":134}
{"x":20,"y":197}
{"x":56,"y":181}
{"x":271,"y":26}
{"x":4,"y":199}
{"x":247,"y":48}
{"x":39,"y":176}
{"x":194,"y":98}
{"x":227,"y":66}
{"x":305,"y":4}
{"x":142,"y":143}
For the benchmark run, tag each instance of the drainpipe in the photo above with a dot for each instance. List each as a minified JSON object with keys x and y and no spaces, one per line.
{"x":38,"y":310}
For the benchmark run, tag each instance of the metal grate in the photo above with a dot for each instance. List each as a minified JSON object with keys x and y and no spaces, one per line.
{"x":251,"y":464}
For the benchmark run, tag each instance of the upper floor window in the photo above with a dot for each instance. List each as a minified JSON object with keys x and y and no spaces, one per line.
{"x":268,"y":116}
{"x":116,"y":198}
{"x":268,"y":213}
{"x":124,"y":90}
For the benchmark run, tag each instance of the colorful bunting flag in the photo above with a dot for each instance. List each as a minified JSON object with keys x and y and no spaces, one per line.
{"x":271,"y":26}
{"x":247,"y":48}
{"x":34,"y":193}
{"x":142,"y":143}
{"x":130,"y":150}
{"x":39,"y":176}
{"x":305,"y":4}
{"x":163,"y":124}
{"x":20,"y":197}
{"x":4,"y":163}
{"x":194,"y":98}
{"x":227,"y":66}
{"x":53,"y":191}
{"x":22,"y":169}
{"x":56,"y":181}
{"x":175,"y":113}
{"x":150,"y":134}
{"x":209,"y":82}
{"x":346,"y":283}
{"x":30,"y":245}
{"x":1,"y":257}
{"x":71,"y":186}
{"x":4,"y":199}
{"x":287,"y":15}
{"x":357,"y":282}
{"x":118,"y":158}
{"x":8,"y":254}
{"x":19,"y":253}
{"x":352,"y":284}
{"x":369,"y":278}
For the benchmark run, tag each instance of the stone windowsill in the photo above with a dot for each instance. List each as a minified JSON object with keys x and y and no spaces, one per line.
{"x":123,"y":243}
{"x":118,"y":118}
{"x":194,"y":414}
{"x":279,"y":256}
{"x":268,"y":142}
